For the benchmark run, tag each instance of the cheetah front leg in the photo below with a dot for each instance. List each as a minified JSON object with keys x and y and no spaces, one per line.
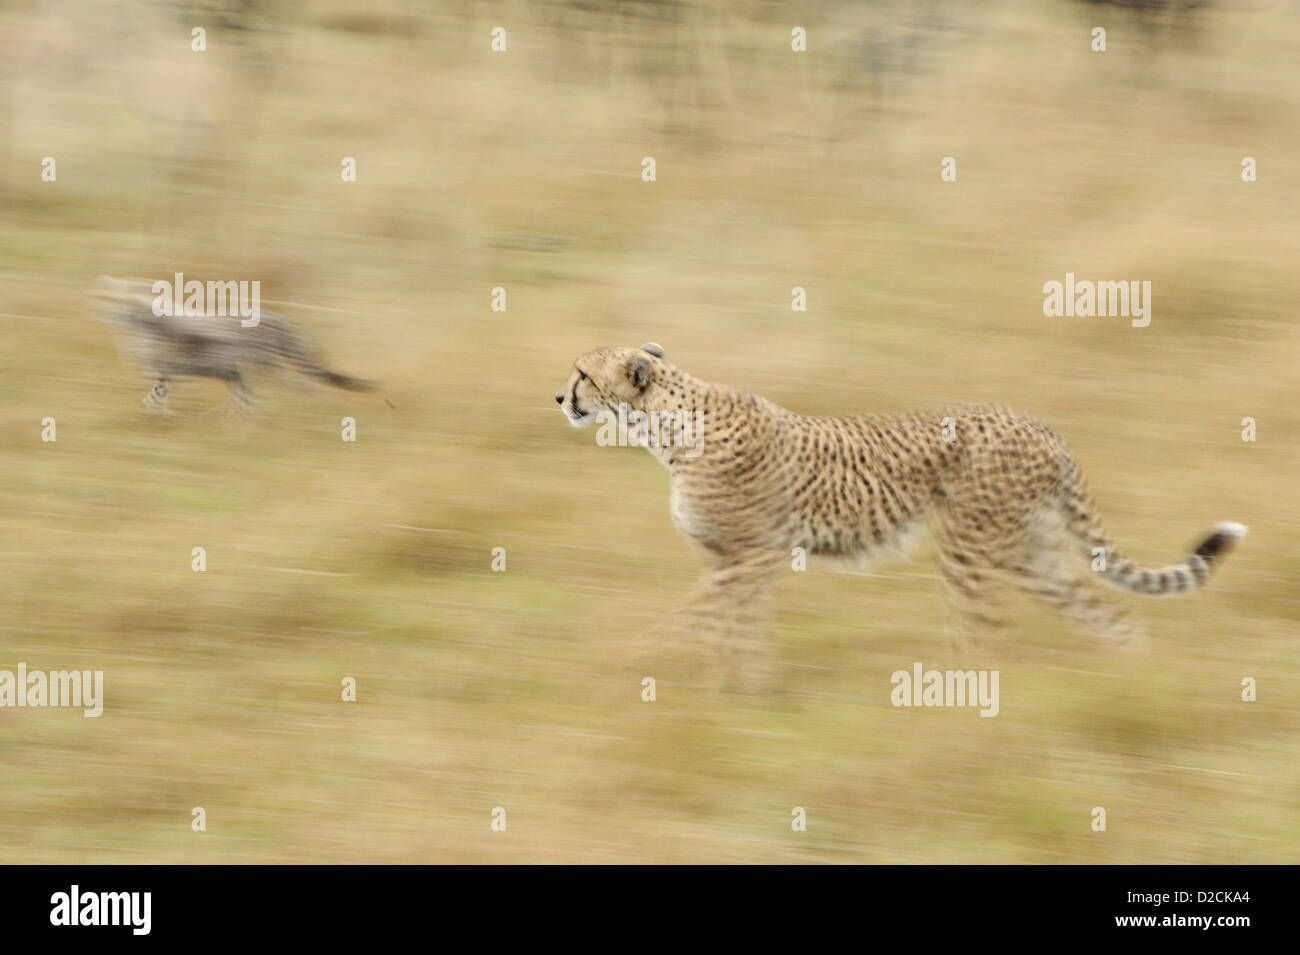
{"x":729,"y":613}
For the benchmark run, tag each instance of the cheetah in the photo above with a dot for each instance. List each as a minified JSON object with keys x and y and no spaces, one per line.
{"x":203,"y":346}
{"x":1004,"y":496}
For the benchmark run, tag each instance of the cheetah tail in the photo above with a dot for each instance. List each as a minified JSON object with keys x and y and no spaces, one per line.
{"x":346,"y":382}
{"x":1173,"y":580}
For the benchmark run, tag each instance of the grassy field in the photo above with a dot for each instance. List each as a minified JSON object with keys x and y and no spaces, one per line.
{"x":522,"y":170}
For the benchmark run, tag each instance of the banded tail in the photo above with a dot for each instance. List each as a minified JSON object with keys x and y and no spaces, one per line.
{"x":1172,"y":580}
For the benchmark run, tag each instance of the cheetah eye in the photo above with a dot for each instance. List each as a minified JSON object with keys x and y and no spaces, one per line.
{"x":582,"y":375}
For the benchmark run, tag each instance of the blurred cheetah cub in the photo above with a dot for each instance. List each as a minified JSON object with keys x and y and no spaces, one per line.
{"x":203,"y":346}
{"x":762,"y":485}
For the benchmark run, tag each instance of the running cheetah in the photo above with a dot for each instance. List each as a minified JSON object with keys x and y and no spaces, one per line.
{"x":203,"y":346}
{"x":755,"y":481}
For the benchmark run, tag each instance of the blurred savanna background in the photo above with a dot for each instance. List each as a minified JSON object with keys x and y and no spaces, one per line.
{"x":522,"y":170}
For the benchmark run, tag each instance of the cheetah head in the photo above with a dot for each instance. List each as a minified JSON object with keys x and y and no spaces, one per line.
{"x":608,"y":377}
{"x":115,"y":300}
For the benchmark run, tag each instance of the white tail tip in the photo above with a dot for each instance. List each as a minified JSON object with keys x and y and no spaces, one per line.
{"x":1232,"y":529}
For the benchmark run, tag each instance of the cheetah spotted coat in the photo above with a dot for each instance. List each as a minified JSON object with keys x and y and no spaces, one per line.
{"x":1002,"y":492}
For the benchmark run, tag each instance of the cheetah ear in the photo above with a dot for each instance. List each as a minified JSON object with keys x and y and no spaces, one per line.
{"x":654,"y":348}
{"x":638,"y":372}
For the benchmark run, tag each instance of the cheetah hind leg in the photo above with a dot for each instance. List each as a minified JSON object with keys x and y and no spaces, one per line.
{"x":972,"y":562}
{"x":240,"y":402}
{"x":972,"y":585}
{"x":1048,"y":570}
